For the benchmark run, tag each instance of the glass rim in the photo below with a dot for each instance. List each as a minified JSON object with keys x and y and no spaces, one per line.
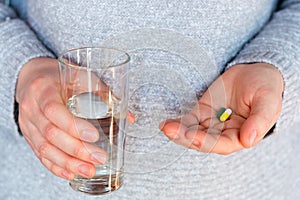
{"x":60,"y":57}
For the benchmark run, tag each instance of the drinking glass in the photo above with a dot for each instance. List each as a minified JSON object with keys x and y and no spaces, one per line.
{"x":94,"y":87}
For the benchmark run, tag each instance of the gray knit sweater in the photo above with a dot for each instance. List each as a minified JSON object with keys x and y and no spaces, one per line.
{"x":178,"y":48}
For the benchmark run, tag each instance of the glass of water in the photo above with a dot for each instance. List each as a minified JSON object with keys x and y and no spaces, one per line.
{"x":94,"y":87}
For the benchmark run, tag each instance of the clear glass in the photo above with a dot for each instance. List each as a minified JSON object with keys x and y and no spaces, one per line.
{"x":94,"y":87}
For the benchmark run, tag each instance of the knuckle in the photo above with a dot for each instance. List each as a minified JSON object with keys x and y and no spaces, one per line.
{"x":71,"y":165}
{"x":50,"y":132}
{"x":25,"y":106}
{"x":50,"y":166}
{"x":68,"y":165}
{"x":43,"y":149}
{"x":53,"y":169}
{"x":264,"y":120}
{"x":50,"y":109}
{"x":37,"y":82}
{"x":44,"y":162}
{"x":79,"y":151}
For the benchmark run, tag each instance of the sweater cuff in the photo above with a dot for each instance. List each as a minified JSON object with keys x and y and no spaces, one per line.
{"x":290,"y":74}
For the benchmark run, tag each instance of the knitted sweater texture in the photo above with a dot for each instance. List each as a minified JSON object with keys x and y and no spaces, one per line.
{"x":178,"y":48}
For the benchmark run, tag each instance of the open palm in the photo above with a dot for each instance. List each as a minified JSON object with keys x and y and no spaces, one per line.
{"x":252,"y":91}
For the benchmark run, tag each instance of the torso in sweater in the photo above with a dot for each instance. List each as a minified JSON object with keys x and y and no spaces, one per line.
{"x":163,"y":83}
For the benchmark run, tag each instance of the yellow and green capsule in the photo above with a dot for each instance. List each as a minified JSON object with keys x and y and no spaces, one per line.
{"x":224,"y":114}
{"x":221,"y":111}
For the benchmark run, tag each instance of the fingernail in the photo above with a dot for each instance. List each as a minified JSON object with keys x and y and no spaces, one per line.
{"x":89,"y":136}
{"x":252,"y":137}
{"x":84,"y":170}
{"x":98,"y":157}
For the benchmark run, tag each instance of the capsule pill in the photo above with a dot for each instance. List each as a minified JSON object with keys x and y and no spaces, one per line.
{"x":221,"y":111}
{"x":225,"y":115}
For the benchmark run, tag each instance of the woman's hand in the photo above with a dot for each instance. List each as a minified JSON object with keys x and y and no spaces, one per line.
{"x":252,"y":91}
{"x":49,"y":128}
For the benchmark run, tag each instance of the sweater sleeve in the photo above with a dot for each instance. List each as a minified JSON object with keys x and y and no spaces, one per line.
{"x":18,"y":44}
{"x":278,"y":43}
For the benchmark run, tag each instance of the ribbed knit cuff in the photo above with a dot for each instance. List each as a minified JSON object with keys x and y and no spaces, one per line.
{"x":18,"y":44}
{"x":290,"y":74}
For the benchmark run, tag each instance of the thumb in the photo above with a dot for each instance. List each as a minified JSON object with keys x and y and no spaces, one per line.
{"x":265,"y":110}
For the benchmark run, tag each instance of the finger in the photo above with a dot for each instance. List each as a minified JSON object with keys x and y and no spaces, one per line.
{"x":38,"y":124}
{"x":74,"y":147}
{"x":64,"y":161}
{"x":69,"y":144}
{"x":26,"y":132}
{"x":173,"y":129}
{"x":213,"y":141}
{"x":202,"y":139}
{"x":130,"y":118}
{"x":56,"y":170}
{"x":56,"y":112}
{"x":44,"y":149}
{"x":265,"y":110}
{"x":176,"y":131}
{"x":200,"y":114}
{"x":187,"y":120}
